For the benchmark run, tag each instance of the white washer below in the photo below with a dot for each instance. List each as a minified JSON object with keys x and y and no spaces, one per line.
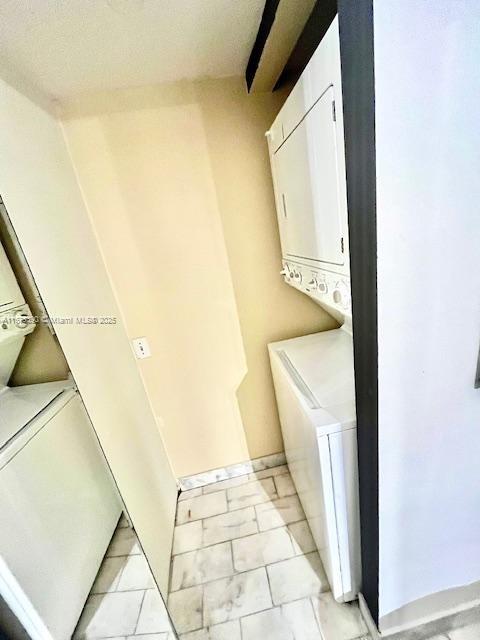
{"x":58,"y":506}
{"x":20,"y":405}
{"x":314,"y":386}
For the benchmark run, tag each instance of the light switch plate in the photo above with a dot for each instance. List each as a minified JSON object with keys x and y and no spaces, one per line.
{"x":141,"y":348}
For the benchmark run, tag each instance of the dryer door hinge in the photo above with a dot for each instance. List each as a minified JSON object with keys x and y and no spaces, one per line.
{"x":334,"y":111}
{"x":342,"y":245}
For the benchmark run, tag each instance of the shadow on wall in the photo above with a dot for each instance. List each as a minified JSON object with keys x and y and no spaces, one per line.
{"x":41,"y":358}
{"x":268,"y":309}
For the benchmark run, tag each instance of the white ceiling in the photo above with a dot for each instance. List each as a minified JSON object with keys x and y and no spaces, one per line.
{"x":66,"y":47}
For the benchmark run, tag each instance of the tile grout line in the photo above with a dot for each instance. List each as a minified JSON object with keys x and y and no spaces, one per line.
{"x":121,"y":572}
{"x":105,"y":593}
{"x":139,"y":613}
{"x":222,"y":513}
{"x":275,"y":484}
{"x":310,"y":599}
{"x":240,"y":573}
{"x":248,"y":535}
{"x":232,"y":557}
{"x":269,"y":587}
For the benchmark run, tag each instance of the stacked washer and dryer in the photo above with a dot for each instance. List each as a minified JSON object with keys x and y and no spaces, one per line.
{"x":58,"y":503}
{"x":313,"y":375}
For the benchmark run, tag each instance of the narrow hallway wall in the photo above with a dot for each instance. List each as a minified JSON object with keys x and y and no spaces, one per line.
{"x":178,"y":185}
{"x":41,"y":194}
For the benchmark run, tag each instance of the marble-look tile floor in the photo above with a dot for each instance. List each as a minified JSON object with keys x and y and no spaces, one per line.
{"x":124,"y":602}
{"x":245,"y":566}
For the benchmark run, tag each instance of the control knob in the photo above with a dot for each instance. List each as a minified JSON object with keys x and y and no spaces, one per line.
{"x":322,"y":286}
{"x":21,"y":319}
{"x":286,"y":272}
{"x":341,"y":294}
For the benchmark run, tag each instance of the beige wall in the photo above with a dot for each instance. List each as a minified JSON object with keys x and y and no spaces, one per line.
{"x":41,"y":194}
{"x":179,"y":190}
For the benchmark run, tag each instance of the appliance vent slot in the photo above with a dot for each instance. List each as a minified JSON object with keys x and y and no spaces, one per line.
{"x":298,"y":380}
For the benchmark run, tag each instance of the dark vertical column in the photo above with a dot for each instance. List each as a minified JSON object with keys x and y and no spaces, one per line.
{"x":358,"y":84}
{"x":268,"y":17}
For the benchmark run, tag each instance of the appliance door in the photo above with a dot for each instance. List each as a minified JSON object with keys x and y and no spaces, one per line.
{"x":320,"y":467}
{"x":59,"y":509}
{"x":307,"y":183}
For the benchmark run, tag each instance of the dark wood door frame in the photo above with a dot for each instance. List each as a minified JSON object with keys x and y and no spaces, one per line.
{"x":358,"y":88}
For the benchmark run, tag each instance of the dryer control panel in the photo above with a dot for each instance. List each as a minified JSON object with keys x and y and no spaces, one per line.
{"x":331,"y":290}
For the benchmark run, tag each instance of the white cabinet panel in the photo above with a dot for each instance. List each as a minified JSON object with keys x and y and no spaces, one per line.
{"x":308,"y":187}
{"x":59,"y":509}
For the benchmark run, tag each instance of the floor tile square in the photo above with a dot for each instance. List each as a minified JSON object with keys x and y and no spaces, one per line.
{"x":299,"y":577}
{"x":136,"y":575}
{"x":279,"y":512}
{"x":225,"y":631}
{"x":203,"y":506}
{"x":109,"y":574}
{"x":186,"y":609}
{"x":187,"y":537}
{"x":228,"y":526}
{"x":235,"y":597}
{"x":254,"y":492}
{"x":284,"y":485}
{"x":293,"y":621}
{"x":110,"y":614}
{"x":338,"y":620}
{"x":124,"y":543}
{"x":267,"y":625}
{"x":302,"y":538}
{"x":225,"y":484}
{"x":153,"y":614}
{"x":151,"y":636}
{"x":203,"y":565}
{"x":268,"y":473}
{"x":262,"y":549}
{"x":300,"y":618}
{"x":190,"y":493}
{"x":123,"y":522}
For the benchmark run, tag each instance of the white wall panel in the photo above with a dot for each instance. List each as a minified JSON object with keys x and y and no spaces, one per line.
{"x":428,"y":167}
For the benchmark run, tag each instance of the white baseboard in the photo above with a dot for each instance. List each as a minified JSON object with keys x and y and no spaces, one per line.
{"x":233,"y":471}
{"x":426,"y":626}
